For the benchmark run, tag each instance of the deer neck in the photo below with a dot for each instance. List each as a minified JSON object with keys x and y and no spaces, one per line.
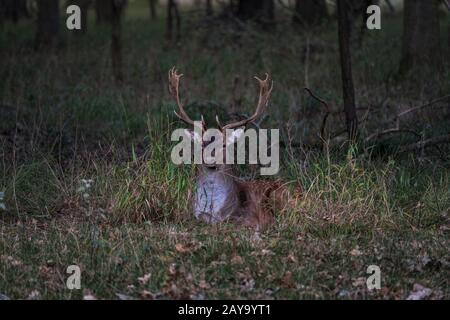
{"x":217,"y":196}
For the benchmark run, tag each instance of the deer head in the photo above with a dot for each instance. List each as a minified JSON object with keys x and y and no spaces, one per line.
{"x":265,"y":90}
{"x":218,"y":194}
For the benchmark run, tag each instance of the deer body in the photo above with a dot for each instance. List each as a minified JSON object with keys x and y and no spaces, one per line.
{"x":219,"y":194}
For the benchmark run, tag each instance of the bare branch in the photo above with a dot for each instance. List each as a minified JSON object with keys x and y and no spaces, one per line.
{"x":423,"y":106}
{"x":426,"y":143}
{"x":327,"y":114}
{"x":391,"y":131}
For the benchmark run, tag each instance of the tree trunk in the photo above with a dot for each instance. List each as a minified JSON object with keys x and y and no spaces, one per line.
{"x":103,"y":11}
{"x":116,"y":40}
{"x":14,"y":10}
{"x":2,"y":14}
{"x":169,"y":20}
{"x":310,"y":12}
{"x":172,"y":10}
{"x":259,"y":10}
{"x":47,"y":23}
{"x":152,"y":5}
{"x":346,"y":69}
{"x":209,"y":9}
{"x":421,"y":35}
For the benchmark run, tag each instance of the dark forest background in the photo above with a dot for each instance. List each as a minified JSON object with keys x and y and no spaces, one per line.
{"x":85,"y":123}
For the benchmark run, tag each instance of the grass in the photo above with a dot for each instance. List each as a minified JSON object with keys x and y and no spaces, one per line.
{"x":64,"y":120}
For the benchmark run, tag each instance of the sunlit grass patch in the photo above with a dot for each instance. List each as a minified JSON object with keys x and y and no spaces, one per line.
{"x":153,"y":188}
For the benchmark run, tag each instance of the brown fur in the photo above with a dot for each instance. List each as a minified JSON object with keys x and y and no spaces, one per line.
{"x":260,"y":201}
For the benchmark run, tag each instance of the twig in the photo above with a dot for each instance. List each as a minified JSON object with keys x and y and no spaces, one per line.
{"x":327,"y":108}
{"x":447,"y":4}
{"x":307,"y":62}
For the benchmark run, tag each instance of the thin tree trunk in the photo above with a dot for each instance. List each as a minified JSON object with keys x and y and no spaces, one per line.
{"x":116,"y":41}
{"x":346,"y":69}
{"x":2,"y":14}
{"x":172,"y":10}
{"x":152,"y":5}
{"x":209,"y":9}
{"x":85,"y":4}
{"x":421,"y":35}
{"x":177,"y":20}
{"x":169,"y":20}
{"x":103,"y":11}
{"x":14,"y":10}
{"x":47,"y":33}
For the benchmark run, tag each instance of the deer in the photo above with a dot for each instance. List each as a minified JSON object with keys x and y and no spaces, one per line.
{"x":219,"y":194}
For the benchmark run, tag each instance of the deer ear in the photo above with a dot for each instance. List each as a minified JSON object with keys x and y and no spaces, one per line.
{"x":193,"y":135}
{"x":234,"y":136}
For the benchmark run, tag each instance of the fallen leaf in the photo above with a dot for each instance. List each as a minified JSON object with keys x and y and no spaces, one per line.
{"x":236,"y":259}
{"x":4,"y":297}
{"x":419,"y":292}
{"x":204,"y":285}
{"x":11,"y":260}
{"x":356,"y":252}
{"x":173,"y":270}
{"x":198,"y":296}
{"x":343,"y":293}
{"x":181,"y":248}
{"x":33,"y":295}
{"x":122,"y":296}
{"x":359,"y":282}
{"x":88,"y":295}
{"x":287,"y":280}
{"x":147,"y":295}
{"x":143,"y":280}
{"x":292,"y":258}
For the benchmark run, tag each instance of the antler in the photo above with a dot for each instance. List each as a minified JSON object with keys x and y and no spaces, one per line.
{"x":174,"y":81}
{"x":265,"y":91}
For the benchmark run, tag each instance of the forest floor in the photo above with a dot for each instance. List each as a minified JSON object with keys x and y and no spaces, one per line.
{"x":88,"y":181}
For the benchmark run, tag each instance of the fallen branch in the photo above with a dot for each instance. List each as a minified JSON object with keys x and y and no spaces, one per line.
{"x":426,"y":143}
{"x":401,"y":114}
{"x":391,"y":131}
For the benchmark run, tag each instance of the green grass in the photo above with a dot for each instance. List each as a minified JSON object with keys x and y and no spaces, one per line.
{"x":63,"y":119}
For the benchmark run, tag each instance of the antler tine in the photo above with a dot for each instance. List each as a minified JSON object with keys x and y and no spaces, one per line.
{"x":265,"y":91}
{"x":174,"y":82}
{"x":218,"y":122}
